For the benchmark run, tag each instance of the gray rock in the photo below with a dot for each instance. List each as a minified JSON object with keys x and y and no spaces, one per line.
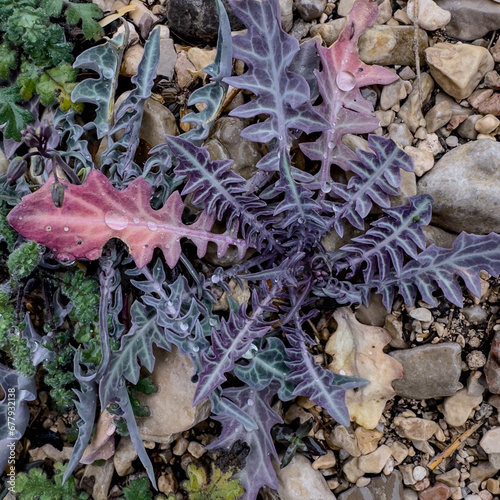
{"x":439,"y":237}
{"x":471,"y":19}
{"x":102,"y":476}
{"x":430,"y":371}
{"x":465,"y":186}
{"x":390,"y":45}
{"x":197,"y":20}
{"x":390,"y":487}
{"x":298,"y":480}
{"x":171,"y":408}
{"x":168,"y":58}
{"x":310,"y":9}
{"x":286,"y":9}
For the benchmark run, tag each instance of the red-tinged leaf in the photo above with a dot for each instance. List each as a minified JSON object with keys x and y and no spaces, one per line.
{"x":343,"y":106}
{"x":94,"y":212}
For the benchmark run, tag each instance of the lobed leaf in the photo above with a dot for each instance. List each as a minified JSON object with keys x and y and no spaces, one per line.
{"x":94,"y":212}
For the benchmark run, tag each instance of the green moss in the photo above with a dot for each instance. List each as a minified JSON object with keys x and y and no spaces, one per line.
{"x":219,"y":486}
{"x":84,"y":294}
{"x":23,"y":261}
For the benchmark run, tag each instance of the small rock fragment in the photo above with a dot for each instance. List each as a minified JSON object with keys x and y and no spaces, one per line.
{"x":431,"y":17}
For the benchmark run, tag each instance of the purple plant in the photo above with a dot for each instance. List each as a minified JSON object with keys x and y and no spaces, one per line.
{"x":280,"y":214}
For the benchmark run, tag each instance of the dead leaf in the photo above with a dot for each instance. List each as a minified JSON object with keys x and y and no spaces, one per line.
{"x":357,"y":351}
{"x":102,"y":445}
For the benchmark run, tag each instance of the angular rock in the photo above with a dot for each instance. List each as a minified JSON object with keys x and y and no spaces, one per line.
{"x":431,"y":17}
{"x":367,"y":439}
{"x":423,"y":160}
{"x":168,"y":58}
{"x":430,"y":371}
{"x":341,"y":438}
{"x":491,"y":105}
{"x":411,"y":111}
{"x":310,"y":9}
{"x":439,"y":237}
{"x":471,"y":19}
{"x":390,"y":45}
{"x":437,"y":492}
{"x":374,"y":462}
{"x":344,"y":7}
{"x":329,"y":31}
{"x":490,"y":442}
{"x":416,"y":429}
{"x":458,"y":68}
{"x":465,"y":186}
{"x":381,"y":487}
{"x":298,"y":480}
{"x":492,"y":369}
{"x":171,"y":407}
{"x":124,"y":455}
{"x":197,"y":20}
{"x":438,"y":116}
{"x":286,"y":10}
{"x":102,"y":474}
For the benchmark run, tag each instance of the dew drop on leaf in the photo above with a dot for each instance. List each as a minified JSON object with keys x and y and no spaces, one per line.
{"x":212,"y":322}
{"x":48,"y":228}
{"x":215,"y":279}
{"x":115,"y":220}
{"x":250,"y":402}
{"x":184,"y":327}
{"x":136,"y":220}
{"x":66,"y":228}
{"x":326,"y":187}
{"x":152,"y":226}
{"x":196,"y":348}
{"x":300,"y":220}
{"x":346,"y":81}
{"x":170,"y":303}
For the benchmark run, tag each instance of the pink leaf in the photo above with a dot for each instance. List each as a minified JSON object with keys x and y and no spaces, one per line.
{"x":94,"y":212}
{"x":343,"y":106}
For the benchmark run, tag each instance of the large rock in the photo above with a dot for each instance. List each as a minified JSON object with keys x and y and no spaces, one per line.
{"x":390,"y":45}
{"x":430,"y":371}
{"x":458,"y":68}
{"x":171,"y":408}
{"x":197,"y":20}
{"x":471,"y":19}
{"x":381,"y":487}
{"x":298,"y":480}
{"x":465,"y":184}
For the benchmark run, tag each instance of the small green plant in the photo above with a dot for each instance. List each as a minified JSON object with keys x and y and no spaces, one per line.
{"x":36,"y":486}
{"x":35,"y":58}
{"x":138,"y":490}
{"x":22,"y":261}
{"x":219,"y":486}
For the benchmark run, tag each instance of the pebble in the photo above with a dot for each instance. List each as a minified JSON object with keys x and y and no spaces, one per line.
{"x":298,"y":480}
{"x":380,"y":487}
{"x":464,"y":183}
{"x":171,"y":406}
{"x":450,"y":478}
{"x":286,"y":9}
{"x":344,"y":7}
{"x":438,"y":116}
{"x":419,"y":473}
{"x":437,"y":492}
{"x":417,"y":429}
{"x":475,"y":360}
{"x":196,"y":449}
{"x":374,"y":462}
{"x":310,"y":9}
{"x":467,"y":129}
{"x":367,"y":439}
{"x":131,"y":60}
{"x":430,"y":371}
{"x":490,"y":442}
{"x":329,"y":31}
{"x":490,"y":105}
{"x":475,"y":314}
{"x":421,"y":314}
{"x":411,"y":111}
{"x":431,"y":17}
{"x":487,"y":124}
{"x":341,"y":438}
{"x":458,"y":68}
{"x":102,"y":474}
{"x":351,"y":470}
{"x":392,"y":94}
{"x":124,"y":455}
{"x":493,"y":486}
{"x":167,"y":483}
{"x":390,"y":45}
{"x":325,"y":461}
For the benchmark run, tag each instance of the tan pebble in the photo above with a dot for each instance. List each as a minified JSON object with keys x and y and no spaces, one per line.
{"x":487,"y":124}
{"x":485,"y":137}
{"x":363,"y":481}
{"x":167,"y":483}
{"x":438,"y":116}
{"x":325,"y":461}
{"x":493,"y":486}
{"x":180,"y":447}
{"x":423,"y":160}
{"x":196,"y":449}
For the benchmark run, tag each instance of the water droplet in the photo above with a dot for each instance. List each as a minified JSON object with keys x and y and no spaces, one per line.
{"x":300,"y":220}
{"x":115,"y":220}
{"x":316,"y":379}
{"x":212,"y":322}
{"x":20,"y":218}
{"x":250,"y":402}
{"x":281,"y":137}
{"x":152,"y":226}
{"x":346,"y":81}
{"x":48,"y":228}
{"x":341,"y":372}
{"x":167,"y":245}
{"x":66,"y":228}
{"x":136,"y":220}
{"x":184,"y":327}
{"x":196,"y":348}
{"x":170,"y":303}
{"x":215,"y":279}
{"x":331,"y":145}
{"x":326,"y":188}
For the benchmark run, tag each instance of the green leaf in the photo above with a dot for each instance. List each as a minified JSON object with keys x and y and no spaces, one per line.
{"x":8,"y":59}
{"x":52,"y":7}
{"x":87,"y":13}
{"x":58,"y":83}
{"x":219,"y":487}
{"x":145,"y":386}
{"x":14,"y":116}
{"x":28,"y":79}
{"x":138,"y":490}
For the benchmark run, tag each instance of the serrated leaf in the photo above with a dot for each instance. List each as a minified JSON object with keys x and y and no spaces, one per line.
{"x":58,"y":83}
{"x":439,"y":268}
{"x":52,"y":8}
{"x":258,"y":470}
{"x":88,"y":13}
{"x":377,"y":175}
{"x":27,"y":79}
{"x":14,"y":117}
{"x":8,"y":59}
{"x":94,"y":212}
{"x":104,"y":60}
{"x":232,"y":340}
{"x":343,"y":106}
{"x":321,"y":386}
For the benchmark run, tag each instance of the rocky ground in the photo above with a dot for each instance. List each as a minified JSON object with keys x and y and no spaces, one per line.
{"x":437,"y":434}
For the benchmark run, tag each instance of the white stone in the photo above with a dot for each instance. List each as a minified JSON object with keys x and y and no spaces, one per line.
{"x":431,"y":17}
{"x":421,"y":313}
{"x":419,"y":473}
{"x":423,"y":162}
{"x":490,"y":442}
